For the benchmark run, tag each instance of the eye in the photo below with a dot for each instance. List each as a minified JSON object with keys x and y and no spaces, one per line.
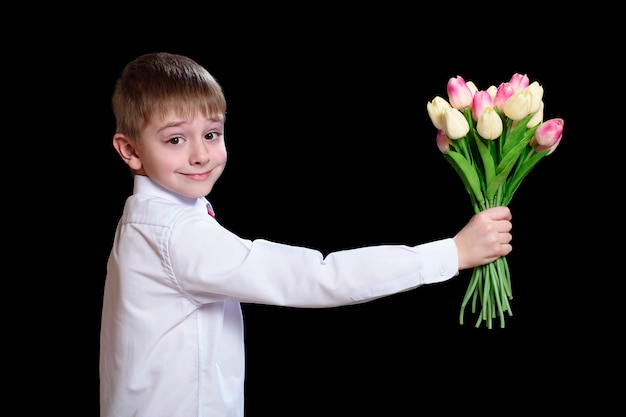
{"x":211,"y":136}
{"x":175,"y":140}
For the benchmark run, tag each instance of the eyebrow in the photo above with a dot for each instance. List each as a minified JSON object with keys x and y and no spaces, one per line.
{"x":178,"y":122}
{"x":169,"y":124}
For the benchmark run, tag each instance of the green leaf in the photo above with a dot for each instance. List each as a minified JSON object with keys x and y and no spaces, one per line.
{"x":488,"y":162}
{"x":510,"y":156}
{"x":468,"y":174}
{"x":504,"y":168}
{"x":521,"y":173}
{"x":516,"y":135}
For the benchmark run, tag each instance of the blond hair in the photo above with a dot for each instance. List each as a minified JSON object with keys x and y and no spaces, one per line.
{"x":155,"y":84}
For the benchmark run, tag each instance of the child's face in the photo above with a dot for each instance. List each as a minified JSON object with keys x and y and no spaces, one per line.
{"x":185,"y":156}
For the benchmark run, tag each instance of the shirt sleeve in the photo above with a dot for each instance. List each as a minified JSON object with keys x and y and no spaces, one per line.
{"x":210,"y":263}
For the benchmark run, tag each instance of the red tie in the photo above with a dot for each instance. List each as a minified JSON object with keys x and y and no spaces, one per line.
{"x":209,"y":210}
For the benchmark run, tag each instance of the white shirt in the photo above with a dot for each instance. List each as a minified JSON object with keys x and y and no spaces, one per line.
{"x":172,"y":329}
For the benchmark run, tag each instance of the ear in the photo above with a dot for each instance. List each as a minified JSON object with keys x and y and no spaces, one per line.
{"x":127,"y":150}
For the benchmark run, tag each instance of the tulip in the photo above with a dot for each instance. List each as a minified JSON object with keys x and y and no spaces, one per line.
{"x":481,"y":100}
{"x":489,"y":125}
{"x":436,"y":109}
{"x":459,"y":93}
{"x":537,"y":117}
{"x":518,"y":106}
{"x":471,"y":86}
{"x":503,"y":94}
{"x":493,"y":139}
{"x":455,"y":124}
{"x":550,"y":149}
{"x":518,"y":82}
{"x":536,"y":93}
{"x":548,"y":135}
{"x":443,"y":142}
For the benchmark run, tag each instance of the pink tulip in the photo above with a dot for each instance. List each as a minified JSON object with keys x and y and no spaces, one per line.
{"x":481,"y":100}
{"x":504,"y":93}
{"x":548,"y":135}
{"x":459,"y":94}
{"x":519,"y":81}
{"x":443,"y":142}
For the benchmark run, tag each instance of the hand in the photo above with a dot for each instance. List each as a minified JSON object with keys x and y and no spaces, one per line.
{"x":485,"y":238}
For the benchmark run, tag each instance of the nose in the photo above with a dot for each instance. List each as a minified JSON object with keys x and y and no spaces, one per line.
{"x":200,"y":154}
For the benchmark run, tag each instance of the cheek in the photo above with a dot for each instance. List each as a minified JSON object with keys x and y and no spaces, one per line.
{"x":161,"y":162}
{"x":220,"y":155}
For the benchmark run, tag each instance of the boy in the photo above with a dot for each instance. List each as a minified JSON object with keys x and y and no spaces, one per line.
{"x":172,"y":329}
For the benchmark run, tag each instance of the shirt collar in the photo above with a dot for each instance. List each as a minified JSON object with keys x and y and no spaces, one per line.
{"x":144,"y":185}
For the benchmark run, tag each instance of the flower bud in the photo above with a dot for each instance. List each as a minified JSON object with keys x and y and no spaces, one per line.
{"x":519,"y":82}
{"x":536,"y":93}
{"x":537,"y":117}
{"x":549,"y":132}
{"x":471,"y":86}
{"x":503,"y":94}
{"x":443,"y":143}
{"x":459,"y":93}
{"x":436,"y":109}
{"x":518,"y":106}
{"x":489,"y":125}
{"x":455,"y":125}
{"x":550,"y":149}
{"x":481,"y":100}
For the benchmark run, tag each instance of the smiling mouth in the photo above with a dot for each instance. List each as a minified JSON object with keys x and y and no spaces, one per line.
{"x":198,"y":177}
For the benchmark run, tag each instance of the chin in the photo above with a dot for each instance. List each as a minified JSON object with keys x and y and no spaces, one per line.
{"x":201,"y":193}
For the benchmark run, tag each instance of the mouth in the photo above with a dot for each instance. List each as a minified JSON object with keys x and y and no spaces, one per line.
{"x":198,"y":177}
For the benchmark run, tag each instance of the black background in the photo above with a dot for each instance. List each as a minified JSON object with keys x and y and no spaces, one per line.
{"x":330,"y":146}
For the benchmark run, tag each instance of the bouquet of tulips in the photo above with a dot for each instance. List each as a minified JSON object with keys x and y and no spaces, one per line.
{"x":493,"y":138}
